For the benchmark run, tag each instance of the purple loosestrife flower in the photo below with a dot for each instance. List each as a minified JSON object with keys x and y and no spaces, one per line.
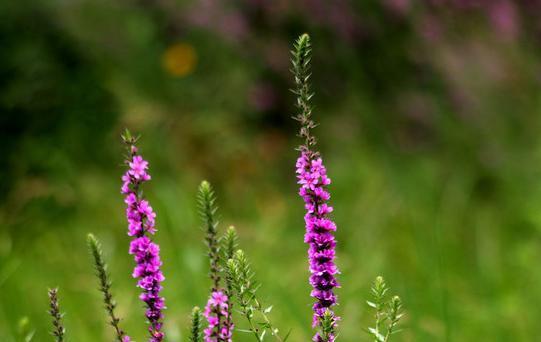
{"x":141,"y":225}
{"x":216,"y":311}
{"x":313,"y":180}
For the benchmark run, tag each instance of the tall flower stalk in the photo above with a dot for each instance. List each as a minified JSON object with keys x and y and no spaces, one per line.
{"x":105,"y":286}
{"x":141,"y":226}
{"x":218,"y":309}
{"x":313,"y":180}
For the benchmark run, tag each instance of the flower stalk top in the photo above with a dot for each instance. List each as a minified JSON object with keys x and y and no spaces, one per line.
{"x":218,"y":309}
{"x":313,"y":180}
{"x":54,"y":311}
{"x":141,"y":226}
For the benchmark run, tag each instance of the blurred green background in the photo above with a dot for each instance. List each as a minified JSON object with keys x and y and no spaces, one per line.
{"x":430,"y":128}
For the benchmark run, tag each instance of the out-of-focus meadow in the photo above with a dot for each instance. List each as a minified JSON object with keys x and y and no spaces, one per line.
{"x":430,"y":117}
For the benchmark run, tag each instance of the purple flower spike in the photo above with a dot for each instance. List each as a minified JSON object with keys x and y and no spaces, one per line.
{"x":220,"y":327}
{"x":312,"y":176}
{"x":313,"y":180}
{"x":141,"y":225}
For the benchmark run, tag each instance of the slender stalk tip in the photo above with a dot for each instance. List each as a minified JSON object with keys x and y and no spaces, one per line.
{"x":128,"y":138}
{"x":91,"y":240}
{"x":205,"y":186}
{"x":126,"y":135}
{"x":301,"y":57}
{"x":229,"y":243}
{"x":54,"y":310}
{"x":303,"y":41}
{"x":207,"y":209}
{"x":196,"y":334}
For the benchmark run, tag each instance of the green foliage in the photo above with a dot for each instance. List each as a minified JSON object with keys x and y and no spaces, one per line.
{"x":431,"y":120}
{"x":196,"y":332}
{"x":230,"y":243}
{"x":387,"y":312}
{"x":53,"y":101}
{"x":241,"y":277}
{"x":25,"y":330}
{"x":207,"y":209}
{"x":104,"y":284}
{"x":301,"y":59}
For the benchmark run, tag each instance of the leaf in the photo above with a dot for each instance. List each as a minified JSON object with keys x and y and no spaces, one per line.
{"x":264,"y":325}
{"x":376,"y":334}
{"x":287,"y":335}
{"x":30,"y":336}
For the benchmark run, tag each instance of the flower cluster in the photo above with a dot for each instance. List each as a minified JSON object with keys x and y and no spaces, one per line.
{"x":141,"y":222}
{"x":229,"y":264}
{"x":312,"y":176}
{"x":220,"y":327}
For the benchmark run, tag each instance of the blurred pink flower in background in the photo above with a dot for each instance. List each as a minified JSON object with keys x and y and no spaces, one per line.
{"x":276,"y":54}
{"x":400,"y":7}
{"x":337,"y":15}
{"x":504,"y":18}
{"x":262,"y":96}
{"x":430,"y":28}
{"x":212,"y":15}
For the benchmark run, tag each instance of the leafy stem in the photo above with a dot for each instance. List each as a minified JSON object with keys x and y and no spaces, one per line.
{"x":244,"y":287}
{"x":104,"y":284}
{"x":387,"y":312}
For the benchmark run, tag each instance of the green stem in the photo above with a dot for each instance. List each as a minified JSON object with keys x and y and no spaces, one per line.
{"x":252,"y":327}
{"x":267,"y":321}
